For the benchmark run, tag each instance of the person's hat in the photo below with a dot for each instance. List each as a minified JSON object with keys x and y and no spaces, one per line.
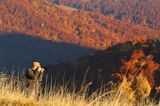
{"x":37,"y":64}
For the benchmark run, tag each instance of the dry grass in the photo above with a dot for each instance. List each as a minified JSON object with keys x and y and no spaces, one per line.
{"x":11,"y":95}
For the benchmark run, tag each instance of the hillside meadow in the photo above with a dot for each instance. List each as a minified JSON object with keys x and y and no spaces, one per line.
{"x":12,"y":93}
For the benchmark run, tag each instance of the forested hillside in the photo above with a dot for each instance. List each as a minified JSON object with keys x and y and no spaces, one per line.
{"x":144,"y":12}
{"x":44,"y":19}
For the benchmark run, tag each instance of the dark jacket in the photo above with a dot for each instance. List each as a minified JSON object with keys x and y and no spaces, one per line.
{"x":34,"y":75}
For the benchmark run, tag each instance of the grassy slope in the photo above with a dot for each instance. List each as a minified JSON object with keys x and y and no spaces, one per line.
{"x":13,"y":96}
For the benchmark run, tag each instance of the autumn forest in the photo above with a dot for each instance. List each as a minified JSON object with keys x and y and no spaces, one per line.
{"x":93,"y":52}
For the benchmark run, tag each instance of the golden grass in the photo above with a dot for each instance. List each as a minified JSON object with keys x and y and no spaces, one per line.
{"x":11,"y":95}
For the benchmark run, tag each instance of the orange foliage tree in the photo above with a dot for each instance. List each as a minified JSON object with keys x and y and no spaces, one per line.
{"x":139,"y":63}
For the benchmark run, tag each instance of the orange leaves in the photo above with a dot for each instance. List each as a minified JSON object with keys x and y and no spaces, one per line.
{"x":0,"y":25}
{"x":55,"y":37}
{"x":44,"y":18}
{"x":93,"y":30}
{"x":139,"y":72}
{"x":137,"y":54}
{"x":140,"y":63}
{"x":123,"y":9}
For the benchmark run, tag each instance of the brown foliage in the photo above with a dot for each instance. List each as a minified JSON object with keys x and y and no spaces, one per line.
{"x":144,"y":12}
{"x":0,"y":25}
{"x":79,"y":27}
{"x":140,"y":63}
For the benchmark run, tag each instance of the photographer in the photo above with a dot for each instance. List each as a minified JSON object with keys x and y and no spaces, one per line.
{"x":34,"y":77}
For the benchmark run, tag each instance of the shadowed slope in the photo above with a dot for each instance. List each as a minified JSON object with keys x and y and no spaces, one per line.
{"x":19,"y":50}
{"x":102,"y":65}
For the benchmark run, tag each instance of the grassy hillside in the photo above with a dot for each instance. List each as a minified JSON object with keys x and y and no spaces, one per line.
{"x":15,"y":95}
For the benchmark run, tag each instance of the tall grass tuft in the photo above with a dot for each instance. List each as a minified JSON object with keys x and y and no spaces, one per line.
{"x":12,"y":93}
